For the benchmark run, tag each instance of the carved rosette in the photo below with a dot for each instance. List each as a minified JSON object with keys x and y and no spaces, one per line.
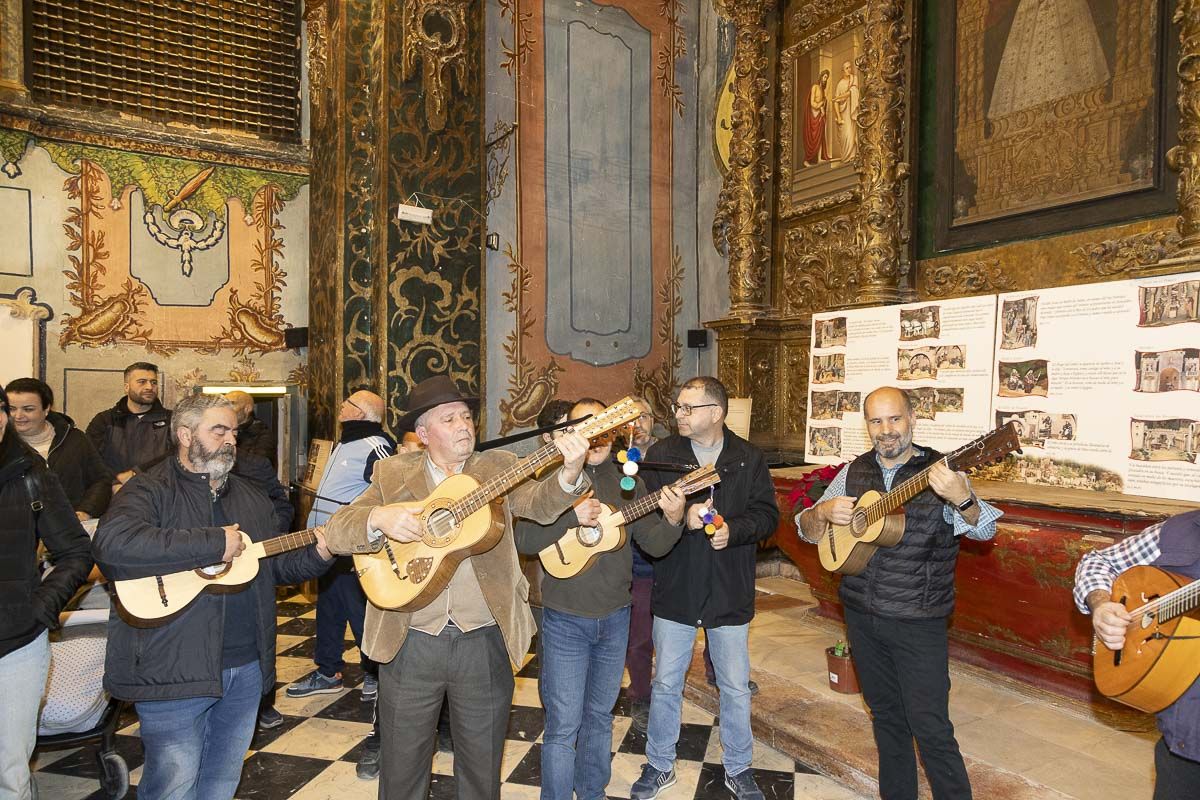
{"x":884,"y":170}
{"x":954,"y":279}
{"x":741,"y":227}
{"x":1184,"y":158}
{"x":435,"y":34}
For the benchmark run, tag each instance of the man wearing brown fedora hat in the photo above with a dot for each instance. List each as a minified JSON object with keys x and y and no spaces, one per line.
{"x":458,"y":646}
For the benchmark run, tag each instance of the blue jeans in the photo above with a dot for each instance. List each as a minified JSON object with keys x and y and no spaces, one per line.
{"x":195,"y":747}
{"x":23,"y":676}
{"x":731,"y":657}
{"x":582,"y":663}
{"x":340,"y":600}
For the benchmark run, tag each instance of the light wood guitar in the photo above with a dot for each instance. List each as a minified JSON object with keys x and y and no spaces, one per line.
{"x":878,"y":519}
{"x":155,"y":599}
{"x":457,"y":521}
{"x":578,"y":548}
{"x":1161,"y":657}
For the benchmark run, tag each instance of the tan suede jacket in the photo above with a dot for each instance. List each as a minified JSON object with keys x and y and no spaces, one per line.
{"x":404,"y":478}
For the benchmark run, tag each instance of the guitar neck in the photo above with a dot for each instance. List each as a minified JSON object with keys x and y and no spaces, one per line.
{"x":502,"y":482}
{"x":638,"y":508}
{"x":289,"y":541}
{"x":900,"y":495}
{"x":1174,"y":604}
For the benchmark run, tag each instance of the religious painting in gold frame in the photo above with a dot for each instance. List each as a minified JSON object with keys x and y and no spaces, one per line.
{"x":821,"y":90}
{"x":1052,"y":115}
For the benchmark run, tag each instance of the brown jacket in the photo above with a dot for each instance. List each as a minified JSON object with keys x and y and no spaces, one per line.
{"x":404,"y":478}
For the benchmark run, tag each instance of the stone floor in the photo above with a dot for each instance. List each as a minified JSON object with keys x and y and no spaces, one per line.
{"x":1018,"y":742}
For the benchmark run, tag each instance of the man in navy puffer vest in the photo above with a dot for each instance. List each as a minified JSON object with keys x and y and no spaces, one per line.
{"x":898,"y":608}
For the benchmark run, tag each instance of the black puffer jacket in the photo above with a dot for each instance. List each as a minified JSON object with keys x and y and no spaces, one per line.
{"x":162,"y":522}
{"x":695,"y":584}
{"x":255,"y":437}
{"x":29,"y":605}
{"x":73,"y":459}
{"x":127,"y":442}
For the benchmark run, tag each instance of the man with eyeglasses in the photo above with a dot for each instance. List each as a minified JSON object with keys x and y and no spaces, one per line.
{"x":707,"y":581}
{"x":340,"y":600}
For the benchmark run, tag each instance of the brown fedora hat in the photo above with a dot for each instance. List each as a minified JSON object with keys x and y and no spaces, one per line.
{"x":430,"y":393}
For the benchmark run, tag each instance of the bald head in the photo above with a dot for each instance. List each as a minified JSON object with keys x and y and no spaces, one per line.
{"x":890,"y":420}
{"x":370,"y":403}
{"x":243,"y":405}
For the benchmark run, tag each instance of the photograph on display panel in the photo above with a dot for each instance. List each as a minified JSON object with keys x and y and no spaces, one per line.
{"x":1023,"y":378}
{"x":1169,"y":305}
{"x":920,"y":323}
{"x":1164,"y":439}
{"x":1167,"y":370}
{"x":1019,"y":323}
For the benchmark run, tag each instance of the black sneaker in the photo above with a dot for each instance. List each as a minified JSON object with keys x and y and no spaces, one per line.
{"x":651,"y":783}
{"x":315,"y":683}
{"x":743,"y":786}
{"x":639,"y":712}
{"x":368,"y":764}
{"x":269,"y":718}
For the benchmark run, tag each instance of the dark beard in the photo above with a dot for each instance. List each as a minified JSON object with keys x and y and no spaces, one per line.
{"x":216,"y":463}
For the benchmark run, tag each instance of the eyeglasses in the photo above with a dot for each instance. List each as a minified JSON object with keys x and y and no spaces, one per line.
{"x":685,"y":410}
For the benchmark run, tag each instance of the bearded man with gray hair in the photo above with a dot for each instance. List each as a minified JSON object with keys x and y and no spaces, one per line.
{"x":196,"y":680}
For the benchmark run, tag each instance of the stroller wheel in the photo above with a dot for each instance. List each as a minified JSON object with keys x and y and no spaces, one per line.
{"x":114,"y":775}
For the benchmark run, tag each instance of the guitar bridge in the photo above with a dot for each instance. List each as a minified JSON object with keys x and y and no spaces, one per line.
{"x":418,"y":569}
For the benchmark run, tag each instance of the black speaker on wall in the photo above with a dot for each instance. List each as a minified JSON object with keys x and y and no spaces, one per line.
{"x":295,"y":337}
{"x":697,"y":338}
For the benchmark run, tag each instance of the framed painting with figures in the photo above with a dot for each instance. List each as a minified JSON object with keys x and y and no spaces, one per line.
{"x":822,"y":87}
{"x":1050,"y":115}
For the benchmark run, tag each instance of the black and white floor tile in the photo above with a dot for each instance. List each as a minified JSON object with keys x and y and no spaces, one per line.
{"x":313,"y":754}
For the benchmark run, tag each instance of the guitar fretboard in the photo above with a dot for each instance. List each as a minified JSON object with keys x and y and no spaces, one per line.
{"x":503,"y":481}
{"x":1176,"y":603}
{"x":289,"y":541}
{"x":640,"y":508}
{"x":912,"y":487}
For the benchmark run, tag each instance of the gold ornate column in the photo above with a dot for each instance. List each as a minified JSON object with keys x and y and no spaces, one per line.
{"x":1184,"y":157}
{"x":884,"y":170}
{"x":741,"y":227}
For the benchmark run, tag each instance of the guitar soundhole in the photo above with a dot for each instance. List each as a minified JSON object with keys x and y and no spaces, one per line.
{"x":441,"y":528}
{"x":589,"y":537}
{"x":214,"y":571}
{"x":858,"y":523}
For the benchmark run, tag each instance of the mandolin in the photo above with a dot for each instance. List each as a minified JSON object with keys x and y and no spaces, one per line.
{"x":1161,"y":656}
{"x":578,"y":548}
{"x":457,"y":521}
{"x":878,"y":520}
{"x":155,"y":598}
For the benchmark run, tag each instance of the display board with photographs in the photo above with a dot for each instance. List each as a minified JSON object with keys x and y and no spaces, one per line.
{"x":940,"y":353}
{"x":1102,"y":381}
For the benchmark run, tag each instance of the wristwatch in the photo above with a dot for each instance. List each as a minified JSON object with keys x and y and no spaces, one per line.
{"x":965,"y":504}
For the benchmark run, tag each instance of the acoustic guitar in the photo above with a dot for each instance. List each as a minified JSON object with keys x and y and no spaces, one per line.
{"x":1161,"y":656}
{"x":878,"y":520}
{"x":156,"y":598}
{"x":578,"y":548}
{"x":457,"y":521}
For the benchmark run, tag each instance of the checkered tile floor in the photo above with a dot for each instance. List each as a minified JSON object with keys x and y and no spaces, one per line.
{"x":313,"y":754}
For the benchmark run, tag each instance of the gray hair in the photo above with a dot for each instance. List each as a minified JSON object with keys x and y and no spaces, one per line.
{"x":190,"y":409}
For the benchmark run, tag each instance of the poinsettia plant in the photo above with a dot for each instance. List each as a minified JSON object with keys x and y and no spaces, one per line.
{"x":808,"y":490}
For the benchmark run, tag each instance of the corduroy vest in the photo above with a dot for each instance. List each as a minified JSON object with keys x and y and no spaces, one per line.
{"x":914,"y":579}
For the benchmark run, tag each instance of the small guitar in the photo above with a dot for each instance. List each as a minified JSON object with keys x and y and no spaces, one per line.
{"x":1161,"y":657}
{"x":578,"y":548}
{"x":457,"y":522}
{"x":155,"y":598}
{"x":878,"y":520}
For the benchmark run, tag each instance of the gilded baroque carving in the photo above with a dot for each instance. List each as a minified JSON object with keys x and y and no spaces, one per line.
{"x":317,"y":28}
{"x":788,"y":207}
{"x":795,"y":389}
{"x":657,"y":385}
{"x":811,"y":13}
{"x":764,"y":356}
{"x":981,"y":276}
{"x":884,"y":171}
{"x":530,"y":387}
{"x":435,"y":34}
{"x":729,"y":364}
{"x":1125,"y":255}
{"x":1184,"y":157}
{"x":822,"y":263}
{"x":741,"y":226}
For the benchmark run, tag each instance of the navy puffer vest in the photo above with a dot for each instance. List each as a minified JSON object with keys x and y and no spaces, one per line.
{"x":914,"y":579}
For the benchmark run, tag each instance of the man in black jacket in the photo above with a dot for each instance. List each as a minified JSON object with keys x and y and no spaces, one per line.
{"x":897,"y":608}
{"x":135,"y":431}
{"x":253,"y":435}
{"x":707,"y":582}
{"x":84,"y":476}
{"x":197,"y":679}
{"x":29,"y":604}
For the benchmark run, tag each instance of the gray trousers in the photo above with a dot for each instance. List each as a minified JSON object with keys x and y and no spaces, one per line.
{"x":472,"y":671}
